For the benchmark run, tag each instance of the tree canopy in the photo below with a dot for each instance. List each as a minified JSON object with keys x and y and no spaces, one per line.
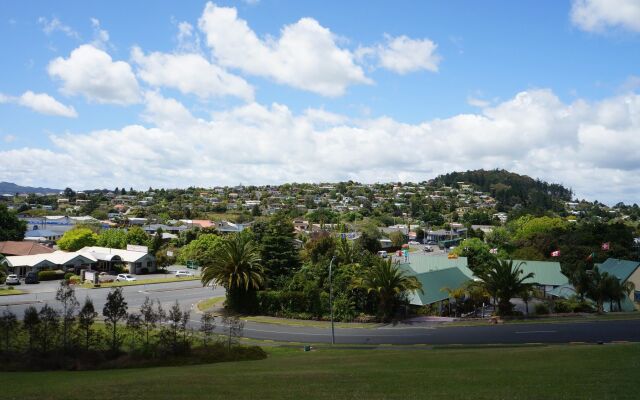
{"x":77,"y":238}
{"x":11,"y":227}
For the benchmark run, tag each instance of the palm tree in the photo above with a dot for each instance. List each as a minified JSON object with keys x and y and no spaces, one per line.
{"x":620,"y":290}
{"x":504,"y":281}
{"x":458,"y":294}
{"x":237,"y":267}
{"x":602,"y":287}
{"x":389,"y":283}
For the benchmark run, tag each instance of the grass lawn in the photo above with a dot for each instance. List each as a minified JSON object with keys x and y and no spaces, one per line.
{"x":554,"y":372}
{"x":142,"y":282}
{"x":204,"y":305}
{"x":10,"y":291}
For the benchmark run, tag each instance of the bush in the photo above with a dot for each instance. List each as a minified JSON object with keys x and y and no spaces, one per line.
{"x":75,"y":279}
{"x":68,"y":276}
{"x":573,"y":304}
{"x":50,"y":275}
{"x":541,"y":309}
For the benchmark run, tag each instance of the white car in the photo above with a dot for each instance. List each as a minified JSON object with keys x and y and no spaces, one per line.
{"x":414,"y":243}
{"x":181,"y":273}
{"x":12,"y":280}
{"x":125,"y":278}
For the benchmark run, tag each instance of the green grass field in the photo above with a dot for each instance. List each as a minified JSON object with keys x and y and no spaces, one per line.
{"x":554,"y":372}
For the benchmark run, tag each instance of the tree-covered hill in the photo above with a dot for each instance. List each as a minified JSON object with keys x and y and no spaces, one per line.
{"x":511,"y":189}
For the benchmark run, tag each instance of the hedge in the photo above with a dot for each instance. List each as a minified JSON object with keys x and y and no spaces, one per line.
{"x":50,"y":275}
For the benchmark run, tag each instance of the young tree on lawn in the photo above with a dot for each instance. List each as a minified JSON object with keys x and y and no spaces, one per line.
{"x":134,"y":325}
{"x":207,"y":326}
{"x":50,"y":323}
{"x":150,"y":318}
{"x":237,"y":267}
{"x":86,"y":318}
{"x":234,"y":328}
{"x":8,"y":326}
{"x":66,"y":295}
{"x":31,"y":323}
{"x":114,"y":311}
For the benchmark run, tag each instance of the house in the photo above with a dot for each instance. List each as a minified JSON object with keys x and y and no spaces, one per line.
{"x":547,"y":275}
{"x":153,"y":228}
{"x":24,"y":248}
{"x":134,"y":260}
{"x":42,"y":235}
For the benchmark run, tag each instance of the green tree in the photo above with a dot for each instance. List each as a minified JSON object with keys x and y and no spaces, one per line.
{"x":31,"y":323}
{"x":86,"y":319}
{"x":113,"y":238}
{"x":137,"y":236}
{"x":389,"y":284}
{"x":277,"y":248}
{"x":77,"y":238}
{"x":477,"y":252}
{"x":8,"y":328}
{"x":11,"y":228}
{"x":504,"y":281}
{"x":201,"y":250}
{"x":66,"y":295}
{"x":526,"y":227}
{"x":237,"y":267}
{"x":114,"y":311}
{"x":397,"y":238}
{"x":49,"y":324}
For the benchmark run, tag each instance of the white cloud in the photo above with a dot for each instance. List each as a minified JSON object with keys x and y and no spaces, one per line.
{"x":53,"y":25}
{"x":591,"y":147}
{"x":9,"y":138}
{"x":188,"y":40}
{"x":41,"y":103}
{"x":305,"y":55}
{"x":91,"y":72}
{"x":597,"y":15}
{"x":477,"y":102}
{"x":402,"y":55}
{"x":100,"y":36}
{"x":45,"y":104}
{"x":189,"y":73}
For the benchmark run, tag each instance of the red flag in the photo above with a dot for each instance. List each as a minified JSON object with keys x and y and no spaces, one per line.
{"x":555,"y":253}
{"x":605,"y":246}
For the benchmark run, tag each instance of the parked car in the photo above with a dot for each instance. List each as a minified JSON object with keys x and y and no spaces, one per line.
{"x":125,"y":278}
{"x":31,"y":277}
{"x":428,"y":249}
{"x":414,"y":243}
{"x":182,"y":272}
{"x":12,"y":280}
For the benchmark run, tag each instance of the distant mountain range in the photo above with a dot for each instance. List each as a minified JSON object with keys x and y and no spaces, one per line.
{"x":12,"y":188}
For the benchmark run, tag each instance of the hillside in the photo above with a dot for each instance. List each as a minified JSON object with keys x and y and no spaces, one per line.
{"x":511,"y":189}
{"x":12,"y":188}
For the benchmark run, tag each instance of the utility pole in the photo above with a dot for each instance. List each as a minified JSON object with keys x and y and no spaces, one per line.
{"x":333,"y":332}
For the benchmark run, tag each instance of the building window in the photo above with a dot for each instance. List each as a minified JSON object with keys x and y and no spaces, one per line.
{"x":637,"y":295}
{"x":148,"y":263}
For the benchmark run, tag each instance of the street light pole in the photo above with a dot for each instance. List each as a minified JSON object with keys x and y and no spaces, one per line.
{"x":333,"y":332}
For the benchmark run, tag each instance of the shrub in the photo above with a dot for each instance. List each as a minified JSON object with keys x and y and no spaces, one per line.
{"x":75,"y":279}
{"x":68,"y":276}
{"x":50,"y":275}
{"x":573,"y":304}
{"x":541,"y":309}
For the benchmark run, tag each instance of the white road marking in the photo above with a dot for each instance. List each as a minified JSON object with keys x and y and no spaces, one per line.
{"x":536,"y":332}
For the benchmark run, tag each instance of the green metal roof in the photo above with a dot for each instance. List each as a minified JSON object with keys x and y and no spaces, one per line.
{"x":434,"y":282}
{"x":621,"y":269}
{"x":420,"y":263}
{"x":545,"y":272}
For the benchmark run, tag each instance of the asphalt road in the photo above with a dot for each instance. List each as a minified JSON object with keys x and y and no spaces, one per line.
{"x":188,"y":293}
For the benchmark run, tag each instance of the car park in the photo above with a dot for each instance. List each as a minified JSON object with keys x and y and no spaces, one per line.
{"x":125,"y":278}
{"x":12,"y":280}
{"x":183,"y":273}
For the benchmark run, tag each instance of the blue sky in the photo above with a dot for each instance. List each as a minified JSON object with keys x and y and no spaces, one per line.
{"x":279,"y":91}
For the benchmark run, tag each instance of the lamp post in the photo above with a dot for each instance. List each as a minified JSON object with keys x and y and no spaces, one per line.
{"x":333,"y":332}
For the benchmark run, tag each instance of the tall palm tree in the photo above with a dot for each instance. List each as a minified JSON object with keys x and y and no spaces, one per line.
{"x":505,"y":281}
{"x":389,"y":283}
{"x":620,"y":290}
{"x":602,"y":287}
{"x":458,"y":294}
{"x":237,"y":267}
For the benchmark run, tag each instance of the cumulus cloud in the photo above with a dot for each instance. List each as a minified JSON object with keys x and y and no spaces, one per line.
{"x":402,"y":54}
{"x":191,"y":74}
{"x":41,"y":103}
{"x":91,"y":72}
{"x":305,"y":56}
{"x":591,"y":147}
{"x":100,"y":36}
{"x":597,"y":15}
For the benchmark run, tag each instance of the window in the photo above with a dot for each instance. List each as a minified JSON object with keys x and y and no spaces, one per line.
{"x":148,"y":263}
{"x":637,"y":295}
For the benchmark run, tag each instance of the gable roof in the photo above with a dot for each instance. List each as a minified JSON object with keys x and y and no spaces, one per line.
{"x":106,"y":253}
{"x":621,"y":269}
{"x":545,"y":272}
{"x":13,"y":248}
{"x":421,"y":263}
{"x":433,"y":284}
